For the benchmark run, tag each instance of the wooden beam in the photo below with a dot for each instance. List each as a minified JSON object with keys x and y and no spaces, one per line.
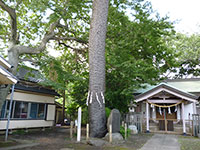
{"x":170,"y":101}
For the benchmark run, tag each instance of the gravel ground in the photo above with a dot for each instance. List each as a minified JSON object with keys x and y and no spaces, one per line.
{"x":58,"y":138}
{"x":189,"y":143}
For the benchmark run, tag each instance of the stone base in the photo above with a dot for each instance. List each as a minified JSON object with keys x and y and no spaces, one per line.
{"x":133,"y":129}
{"x":96,"y":142}
{"x":184,"y":134}
{"x":116,"y":138}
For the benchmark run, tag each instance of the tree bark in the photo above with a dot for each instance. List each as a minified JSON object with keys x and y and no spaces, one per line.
{"x":97,"y":36}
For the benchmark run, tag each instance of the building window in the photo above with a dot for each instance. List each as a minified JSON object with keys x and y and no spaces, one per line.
{"x":33,"y":111}
{"x":17,"y":110}
{"x":37,"y":111}
{"x":41,"y":111}
{"x":21,"y":109}
{"x":5,"y":109}
{"x":24,"y":110}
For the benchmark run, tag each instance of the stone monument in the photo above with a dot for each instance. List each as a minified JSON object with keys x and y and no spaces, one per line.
{"x":114,"y":120}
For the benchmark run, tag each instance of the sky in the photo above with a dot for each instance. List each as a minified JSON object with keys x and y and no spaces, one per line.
{"x":186,"y":13}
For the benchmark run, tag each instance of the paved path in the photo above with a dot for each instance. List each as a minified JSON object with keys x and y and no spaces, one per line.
{"x":162,"y":142}
{"x":22,"y":146}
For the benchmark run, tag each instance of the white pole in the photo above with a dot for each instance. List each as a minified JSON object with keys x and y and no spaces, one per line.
{"x":9,"y":113}
{"x":122,"y":123}
{"x":71,"y":129}
{"x":183,"y":118}
{"x":110,"y":133}
{"x":87,"y":132}
{"x":125,"y":128}
{"x":147,"y":116}
{"x":79,"y":125}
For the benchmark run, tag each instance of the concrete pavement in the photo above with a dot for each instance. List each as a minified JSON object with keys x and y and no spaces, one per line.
{"x":22,"y":146}
{"x":162,"y":142}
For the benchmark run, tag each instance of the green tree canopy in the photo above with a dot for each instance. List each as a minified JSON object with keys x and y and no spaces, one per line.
{"x":136,"y":45}
{"x":137,"y":52}
{"x":187,"y":48}
{"x":27,"y":27}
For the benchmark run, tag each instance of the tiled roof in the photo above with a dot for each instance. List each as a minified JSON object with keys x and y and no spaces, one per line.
{"x":166,"y":87}
{"x":188,"y":85}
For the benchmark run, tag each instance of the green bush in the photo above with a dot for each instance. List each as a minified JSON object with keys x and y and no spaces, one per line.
{"x":108,"y":110}
{"x":85,"y":116}
{"x":19,"y":132}
{"x":122,"y":131}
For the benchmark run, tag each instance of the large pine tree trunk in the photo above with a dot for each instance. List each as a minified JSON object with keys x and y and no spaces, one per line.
{"x":97,"y":118}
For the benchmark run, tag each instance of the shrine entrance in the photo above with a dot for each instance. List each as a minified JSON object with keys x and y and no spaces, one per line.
{"x":165,"y":108}
{"x":165,"y":114}
{"x":166,"y":120}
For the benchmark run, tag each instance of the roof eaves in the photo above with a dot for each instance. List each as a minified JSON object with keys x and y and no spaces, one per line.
{"x":36,"y":89}
{"x":165,"y":85}
{"x":5,"y":62}
{"x":9,"y":75}
{"x":179,"y":90}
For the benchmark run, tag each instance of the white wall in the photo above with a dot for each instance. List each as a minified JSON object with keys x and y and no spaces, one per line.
{"x":14,"y":124}
{"x":32,"y":97}
{"x":188,"y":109}
{"x":51,"y":112}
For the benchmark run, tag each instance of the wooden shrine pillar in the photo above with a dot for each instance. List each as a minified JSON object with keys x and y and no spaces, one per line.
{"x":183,"y":117}
{"x":147,"y":116}
{"x":194,"y":108}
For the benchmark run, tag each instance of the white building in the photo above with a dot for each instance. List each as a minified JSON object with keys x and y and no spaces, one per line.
{"x":33,"y":105}
{"x":168,"y":107}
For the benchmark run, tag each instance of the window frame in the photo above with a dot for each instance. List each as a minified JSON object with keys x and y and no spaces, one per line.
{"x":28,"y":111}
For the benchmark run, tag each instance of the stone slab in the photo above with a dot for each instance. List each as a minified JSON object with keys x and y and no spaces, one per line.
{"x":114,"y":119}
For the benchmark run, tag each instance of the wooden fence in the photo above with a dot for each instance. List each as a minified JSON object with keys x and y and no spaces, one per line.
{"x":136,"y":119}
{"x":173,"y":125}
{"x":196,"y":124}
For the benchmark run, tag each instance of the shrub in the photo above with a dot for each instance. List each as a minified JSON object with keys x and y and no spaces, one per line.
{"x":85,"y":116}
{"x":108,"y":110}
{"x":122,"y":131}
